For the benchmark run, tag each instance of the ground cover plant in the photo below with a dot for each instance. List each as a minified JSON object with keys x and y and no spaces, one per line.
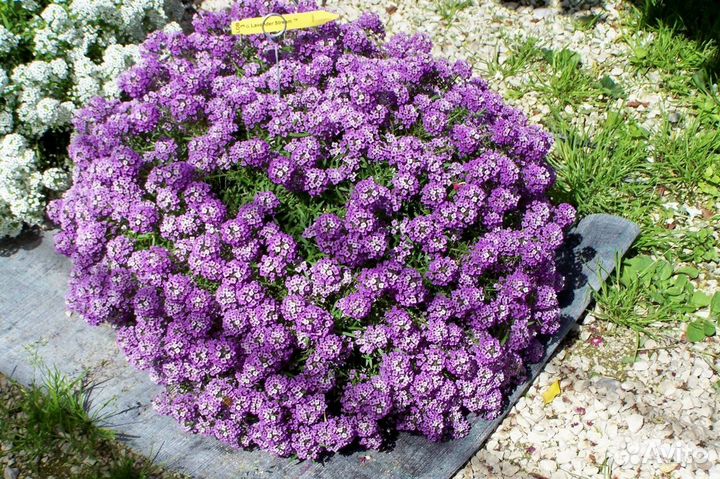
{"x":367,"y":246}
{"x":47,"y":430}
{"x":54,"y":57}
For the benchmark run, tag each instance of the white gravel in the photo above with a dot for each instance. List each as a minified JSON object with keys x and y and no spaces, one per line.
{"x":657,"y":417}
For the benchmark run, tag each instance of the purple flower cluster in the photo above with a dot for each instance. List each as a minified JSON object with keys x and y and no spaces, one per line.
{"x":391,"y":263}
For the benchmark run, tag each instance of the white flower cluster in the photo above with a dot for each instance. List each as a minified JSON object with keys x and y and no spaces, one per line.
{"x":8,"y":40}
{"x":79,"y":48}
{"x":22,"y":184}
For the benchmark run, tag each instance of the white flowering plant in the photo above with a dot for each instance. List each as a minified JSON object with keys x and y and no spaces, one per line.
{"x":54,"y":57}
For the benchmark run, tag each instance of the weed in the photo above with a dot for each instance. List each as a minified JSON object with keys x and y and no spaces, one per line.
{"x":684,"y":158}
{"x":586,"y":23}
{"x":644,"y":291}
{"x":698,"y":246}
{"x":57,"y":408}
{"x":674,"y":55}
{"x":684,"y":42}
{"x":611,"y":88}
{"x":521,"y":54}
{"x":52,"y":432}
{"x":604,"y":170}
{"x":567,"y":83}
{"x":448,"y":9}
{"x":127,"y":468}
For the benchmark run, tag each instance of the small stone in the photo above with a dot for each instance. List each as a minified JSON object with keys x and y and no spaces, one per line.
{"x":634,"y":422}
{"x":566,"y":456}
{"x":693,"y":212}
{"x":641,"y":366}
{"x":581,"y":386}
{"x":540,"y":13}
{"x":607,"y":384}
{"x":546,"y":465}
{"x":11,"y":473}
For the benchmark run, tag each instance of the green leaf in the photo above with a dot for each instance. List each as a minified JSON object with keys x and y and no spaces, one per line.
{"x":715,"y":305}
{"x":710,"y":175}
{"x":709,"y":328}
{"x":635,"y":268}
{"x":691,"y":272}
{"x":700,"y":299}
{"x":548,"y":54}
{"x":611,"y":88}
{"x":695,"y":331}
{"x":709,"y":189}
{"x":679,"y":286}
{"x":663,"y":271}
{"x":700,"y":79}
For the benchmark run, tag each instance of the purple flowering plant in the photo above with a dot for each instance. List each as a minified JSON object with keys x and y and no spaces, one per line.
{"x":371,"y":250}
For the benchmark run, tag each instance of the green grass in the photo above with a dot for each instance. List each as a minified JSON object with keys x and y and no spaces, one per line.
{"x":521,"y":54}
{"x":678,"y":58}
{"x":56,"y":408}
{"x":698,"y":20}
{"x":685,"y":45}
{"x":681,"y":159}
{"x":565,"y":82}
{"x":558,"y":76}
{"x":645,"y":291}
{"x":669,"y":52}
{"x":127,"y":468}
{"x":603,"y":169}
{"x":619,"y":167}
{"x":50,"y":426}
{"x":448,"y":9}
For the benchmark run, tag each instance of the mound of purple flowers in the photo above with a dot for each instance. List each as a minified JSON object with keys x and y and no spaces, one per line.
{"x":372,"y":250}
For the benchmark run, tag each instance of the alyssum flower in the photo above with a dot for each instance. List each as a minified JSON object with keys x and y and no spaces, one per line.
{"x":372,"y":249}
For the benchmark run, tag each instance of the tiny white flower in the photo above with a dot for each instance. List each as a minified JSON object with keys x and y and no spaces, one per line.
{"x":8,"y":40}
{"x":29,"y":5}
{"x":6,"y":122}
{"x":56,"y":17}
{"x":85,"y":45}
{"x":4,"y":80}
{"x":59,"y":68}
{"x":86,"y":88}
{"x":172,"y":27}
{"x":48,"y":111}
{"x":56,"y":179}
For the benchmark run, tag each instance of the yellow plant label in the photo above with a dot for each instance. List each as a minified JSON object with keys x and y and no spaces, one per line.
{"x":552,"y":392}
{"x":278,"y":23}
